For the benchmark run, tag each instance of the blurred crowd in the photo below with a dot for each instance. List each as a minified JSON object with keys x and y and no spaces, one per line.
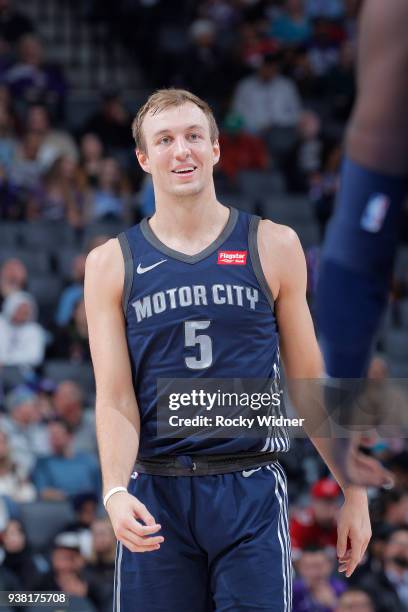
{"x":280,"y":77}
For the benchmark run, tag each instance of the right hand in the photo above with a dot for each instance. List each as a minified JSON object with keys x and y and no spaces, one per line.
{"x":124,"y":511}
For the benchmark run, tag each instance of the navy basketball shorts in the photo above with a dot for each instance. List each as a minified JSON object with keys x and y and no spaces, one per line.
{"x":226,"y":547}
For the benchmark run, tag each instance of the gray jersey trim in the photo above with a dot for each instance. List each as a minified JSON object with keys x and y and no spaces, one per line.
{"x":191,"y":259}
{"x":256,"y":262}
{"x":128,"y":259}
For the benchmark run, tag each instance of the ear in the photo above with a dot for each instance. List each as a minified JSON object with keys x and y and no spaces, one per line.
{"x":143,"y":160}
{"x":216,"y":152}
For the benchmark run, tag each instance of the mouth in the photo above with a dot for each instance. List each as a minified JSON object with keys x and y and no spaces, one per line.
{"x":187,"y":171}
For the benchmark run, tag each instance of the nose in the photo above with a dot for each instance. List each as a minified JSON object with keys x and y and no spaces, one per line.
{"x":182,"y":150}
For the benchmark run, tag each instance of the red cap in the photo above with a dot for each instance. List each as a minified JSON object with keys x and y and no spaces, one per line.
{"x":325,"y":488}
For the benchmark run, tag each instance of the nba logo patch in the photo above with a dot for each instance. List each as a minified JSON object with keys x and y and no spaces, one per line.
{"x":234,"y":258}
{"x":374,"y":213}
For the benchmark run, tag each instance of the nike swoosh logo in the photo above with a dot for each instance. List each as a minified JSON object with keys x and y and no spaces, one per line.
{"x":247,"y":473}
{"x":141,"y":270}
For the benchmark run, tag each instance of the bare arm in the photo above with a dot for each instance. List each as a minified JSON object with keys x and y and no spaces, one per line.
{"x":284,"y":264}
{"x":117,"y":414}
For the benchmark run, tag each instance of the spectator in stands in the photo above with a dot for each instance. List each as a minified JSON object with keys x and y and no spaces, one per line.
{"x":22,"y":339}
{"x":13,"y":25}
{"x":325,"y":184}
{"x":292,"y":26}
{"x":68,"y":403}
{"x":323,"y":50}
{"x":71,"y":341}
{"x":389,"y":586}
{"x":315,"y":590}
{"x":12,"y":483}
{"x":305,"y":158}
{"x":355,"y":600}
{"x":391,"y":507}
{"x":23,"y":425}
{"x":73,"y":292}
{"x":373,"y":559}
{"x":99,"y":571}
{"x":206,"y":65}
{"x":309,"y":85}
{"x":65,"y":473}
{"x":85,"y":506}
{"x":59,"y":196}
{"x":54,"y":143}
{"x":13,"y":277}
{"x":92,"y":154}
{"x":66,"y":572}
{"x":332,"y":9}
{"x":240,"y":149}
{"x":109,"y":199}
{"x":267,"y":99}
{"x":32,"y":79}
{"x":8,"y":141}
{"x":25,"y":173}
{"x":270,"y":106}
{"x":112,"y":123}
{"x":398,"y":466}
{"x":339,"y":85}
{"x":316,"y":525}
{"x":18,"y":558}
{"x":254,"y":45}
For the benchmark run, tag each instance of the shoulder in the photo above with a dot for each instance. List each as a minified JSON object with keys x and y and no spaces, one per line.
{"x":283,"y":234}
{"x":281,"y":255}
{"x":106,"y":255}
{"x":106,"y":263}
{"x":279,"y":241}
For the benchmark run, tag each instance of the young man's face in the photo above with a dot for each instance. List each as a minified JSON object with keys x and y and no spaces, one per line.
{"x":179,"y":153}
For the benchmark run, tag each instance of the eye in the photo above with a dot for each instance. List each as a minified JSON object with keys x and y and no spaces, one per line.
{"x":194,"y":136}
{"x":164,"y":140}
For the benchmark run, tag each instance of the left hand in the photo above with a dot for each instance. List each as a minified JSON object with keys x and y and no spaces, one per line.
{"x":353,"y":524}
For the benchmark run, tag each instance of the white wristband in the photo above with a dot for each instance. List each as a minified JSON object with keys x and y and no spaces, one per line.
{"x":112,"y":492}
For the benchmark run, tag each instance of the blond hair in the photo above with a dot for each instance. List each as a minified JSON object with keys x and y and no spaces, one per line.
{"x":165,"y":98}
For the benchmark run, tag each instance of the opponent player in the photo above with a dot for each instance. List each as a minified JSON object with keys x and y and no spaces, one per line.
{"x":361,"y":240}
{"x":162,"y":302}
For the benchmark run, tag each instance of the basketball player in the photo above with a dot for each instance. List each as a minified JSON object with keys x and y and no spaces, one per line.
{"x":209,"y":516}
{"x":362,"y":237}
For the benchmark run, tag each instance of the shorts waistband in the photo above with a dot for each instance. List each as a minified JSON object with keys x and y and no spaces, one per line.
{"x":202,"y":465}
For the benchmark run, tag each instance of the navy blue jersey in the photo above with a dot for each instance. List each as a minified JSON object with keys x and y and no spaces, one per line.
{"x":208,"y":315}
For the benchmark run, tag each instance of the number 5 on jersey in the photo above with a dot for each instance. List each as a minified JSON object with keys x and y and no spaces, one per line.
{"x":204,"y":343}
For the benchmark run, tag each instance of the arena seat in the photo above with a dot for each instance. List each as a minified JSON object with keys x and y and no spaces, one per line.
{"x":103,"y":228}
{"x":61,"y":369}
{"x":52,"y":234}
{"x":10,"y":234}
{"x":36,"y":262}
{"x":398,"y":369}
{"x":257,"y":183}
{"x":46,"y":289}
{"x":401,"y":263}
{"x":11,"y":376}
{"x":288,"y":209}
{"x":43,"y":520}
{"x":308,"y":234}
{"x":397,"y":344}
{"x":64,"y":258}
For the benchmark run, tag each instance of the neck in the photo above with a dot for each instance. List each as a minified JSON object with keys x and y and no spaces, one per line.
{"x":188,"y":221}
